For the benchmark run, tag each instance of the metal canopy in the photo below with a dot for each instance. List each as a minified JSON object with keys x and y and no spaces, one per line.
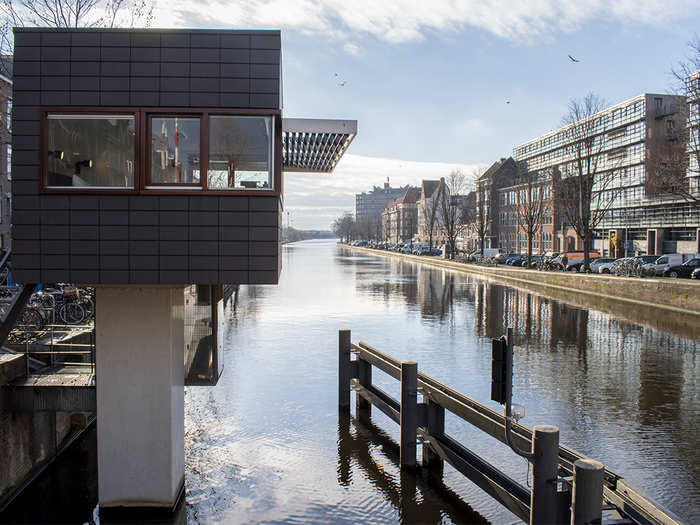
{"x":315,"y":145}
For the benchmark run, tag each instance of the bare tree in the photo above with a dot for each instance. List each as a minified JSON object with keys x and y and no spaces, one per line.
{"x":429,"y":208}
{"x":482,"y":215}
{"x":451,"y":208}
{"x":589,"y":184}
{"x":676,"y":167}
{"x":365,"y":227}
{"x":343,"y":227}
{"x":531,"y":206}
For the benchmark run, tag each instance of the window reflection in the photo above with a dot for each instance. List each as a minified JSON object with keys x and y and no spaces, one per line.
{"x":90,"y":150}
{"x":175,"y":150}
{"x":239,"y":152}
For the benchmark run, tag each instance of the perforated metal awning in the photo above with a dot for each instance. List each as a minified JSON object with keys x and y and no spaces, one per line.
{"x":315,"y":145}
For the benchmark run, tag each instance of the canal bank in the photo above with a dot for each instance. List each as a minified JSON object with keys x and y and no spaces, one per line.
{"x":680,"y":296}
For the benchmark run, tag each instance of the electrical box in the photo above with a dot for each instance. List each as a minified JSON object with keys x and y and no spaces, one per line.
{"x":501,"y":366}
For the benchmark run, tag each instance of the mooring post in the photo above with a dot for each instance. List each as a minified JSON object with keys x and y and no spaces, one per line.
{"x":436,"y":428}
{"x":587,"y":496}
{"x":545,"y":452}
{"x":344,"y":370}
{"x":409,"y":413}
{"x":363,"y":408}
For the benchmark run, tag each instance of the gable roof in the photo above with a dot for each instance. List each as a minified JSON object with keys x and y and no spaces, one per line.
{"x":429,"y":187}
{"x":499,"y":169}
{"x":411,"y":196}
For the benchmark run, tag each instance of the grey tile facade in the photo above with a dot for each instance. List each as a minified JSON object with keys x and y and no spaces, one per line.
{"x":145,"y":238}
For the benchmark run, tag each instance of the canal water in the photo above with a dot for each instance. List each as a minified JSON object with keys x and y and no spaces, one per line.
{"x":267,"y":445}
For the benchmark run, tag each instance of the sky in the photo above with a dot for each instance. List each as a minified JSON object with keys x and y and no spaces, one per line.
{"x":446,"y":84}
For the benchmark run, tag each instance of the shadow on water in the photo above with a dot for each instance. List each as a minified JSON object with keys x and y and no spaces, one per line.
{"x":420,"y":497}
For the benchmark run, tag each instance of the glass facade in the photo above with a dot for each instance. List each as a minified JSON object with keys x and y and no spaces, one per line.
{"x":240,"y":152}
{"x":175,"y":150}
{"x":90,"y":151}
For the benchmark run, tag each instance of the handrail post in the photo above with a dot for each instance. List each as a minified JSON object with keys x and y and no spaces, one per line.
{"x":436,"y":428}
{"x":545,"y":456}
{"x":409,"y":413}
{"x":587,"y":494}
{"x":344,"y":370}
{"x":363,"y":408}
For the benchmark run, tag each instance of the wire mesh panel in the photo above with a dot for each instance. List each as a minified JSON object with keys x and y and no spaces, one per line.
{"x":203,"y":363}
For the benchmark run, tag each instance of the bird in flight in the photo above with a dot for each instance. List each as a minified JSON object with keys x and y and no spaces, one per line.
{"x":573,"y":59}
{"x":341,"y":84}
{"x":507,"y":101}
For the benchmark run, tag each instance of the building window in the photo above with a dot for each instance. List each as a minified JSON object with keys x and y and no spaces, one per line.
{"x":240,"y":152}
{"x":90,"y":151}
{"x":175,"y":150}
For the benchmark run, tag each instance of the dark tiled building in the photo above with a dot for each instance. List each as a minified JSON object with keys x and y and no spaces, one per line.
{"x":146,"y":156}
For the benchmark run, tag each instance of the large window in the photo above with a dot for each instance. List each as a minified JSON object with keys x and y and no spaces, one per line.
{"x":175,"y":147}
{"x":90,"y":151}
{"x":141,"y":151}
{"x":240,"y":151}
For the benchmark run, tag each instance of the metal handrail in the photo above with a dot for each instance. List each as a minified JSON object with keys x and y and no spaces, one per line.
{"x":616,"y":490}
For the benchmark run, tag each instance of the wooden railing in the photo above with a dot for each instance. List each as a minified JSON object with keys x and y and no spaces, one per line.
{"x":567,"y":487}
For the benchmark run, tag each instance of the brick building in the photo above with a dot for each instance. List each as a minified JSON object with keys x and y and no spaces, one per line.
{"x":400,"y":217}
{"x":428,"y":212}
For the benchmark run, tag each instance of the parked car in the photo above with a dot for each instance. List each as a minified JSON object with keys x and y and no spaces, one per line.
{"x":492,"y":252}
{"x":606,"y":267}
{"x":666,"y":261}
{"x":501,"y":258}
{"x":577,"y":264}
{"x":516,"y":260}
{"x":682,"y":270}
{"x":575,"y":257}
{"x":595,"y":265}
{"x":533,"y":261}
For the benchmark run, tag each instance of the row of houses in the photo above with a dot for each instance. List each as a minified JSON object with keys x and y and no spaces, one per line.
{"x":634,"y":149}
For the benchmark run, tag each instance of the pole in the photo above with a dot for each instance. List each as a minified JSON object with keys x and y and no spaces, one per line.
{"x":363,"y":408}
{"x":545,"y":455}
{"x":409,"y":413}
{"x":587,"y":497}
{"x":436,"y":428}
{"x":344,"y":370}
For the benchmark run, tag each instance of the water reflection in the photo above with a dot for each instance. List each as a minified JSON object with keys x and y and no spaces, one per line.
{"x":619,"y":388}
{"x":419,"y":498}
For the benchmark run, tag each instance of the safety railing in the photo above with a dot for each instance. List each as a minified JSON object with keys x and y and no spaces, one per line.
{"x":567,"y":487}
{"x":57,"y":347}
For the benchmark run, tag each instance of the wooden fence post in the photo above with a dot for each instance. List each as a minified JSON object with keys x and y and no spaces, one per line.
{"x":363,"y":408}
{"x":409,"y":413}
{"x":344,"y":370}
{"x":543,"y":498}
{"x":587,"y":494}
{"x":436,"y":428}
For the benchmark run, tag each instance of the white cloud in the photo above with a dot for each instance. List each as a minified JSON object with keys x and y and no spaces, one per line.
{"x":352,"y":49}
{"x":315,"y":200}
{"x":399,"y":21}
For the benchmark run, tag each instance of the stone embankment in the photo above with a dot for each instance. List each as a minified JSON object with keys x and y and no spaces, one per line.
{"x":679,"y":295}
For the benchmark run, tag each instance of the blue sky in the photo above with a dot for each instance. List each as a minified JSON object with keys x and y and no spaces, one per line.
{"x":429,"y":82}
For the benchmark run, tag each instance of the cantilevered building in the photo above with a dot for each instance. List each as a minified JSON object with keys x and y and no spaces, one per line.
{"x":631,"y":139}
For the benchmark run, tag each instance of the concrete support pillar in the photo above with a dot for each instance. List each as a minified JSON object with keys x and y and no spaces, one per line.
{"x":140,"y":398}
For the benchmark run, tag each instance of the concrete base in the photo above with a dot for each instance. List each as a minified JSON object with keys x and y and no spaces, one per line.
{"x":140,"y":397}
